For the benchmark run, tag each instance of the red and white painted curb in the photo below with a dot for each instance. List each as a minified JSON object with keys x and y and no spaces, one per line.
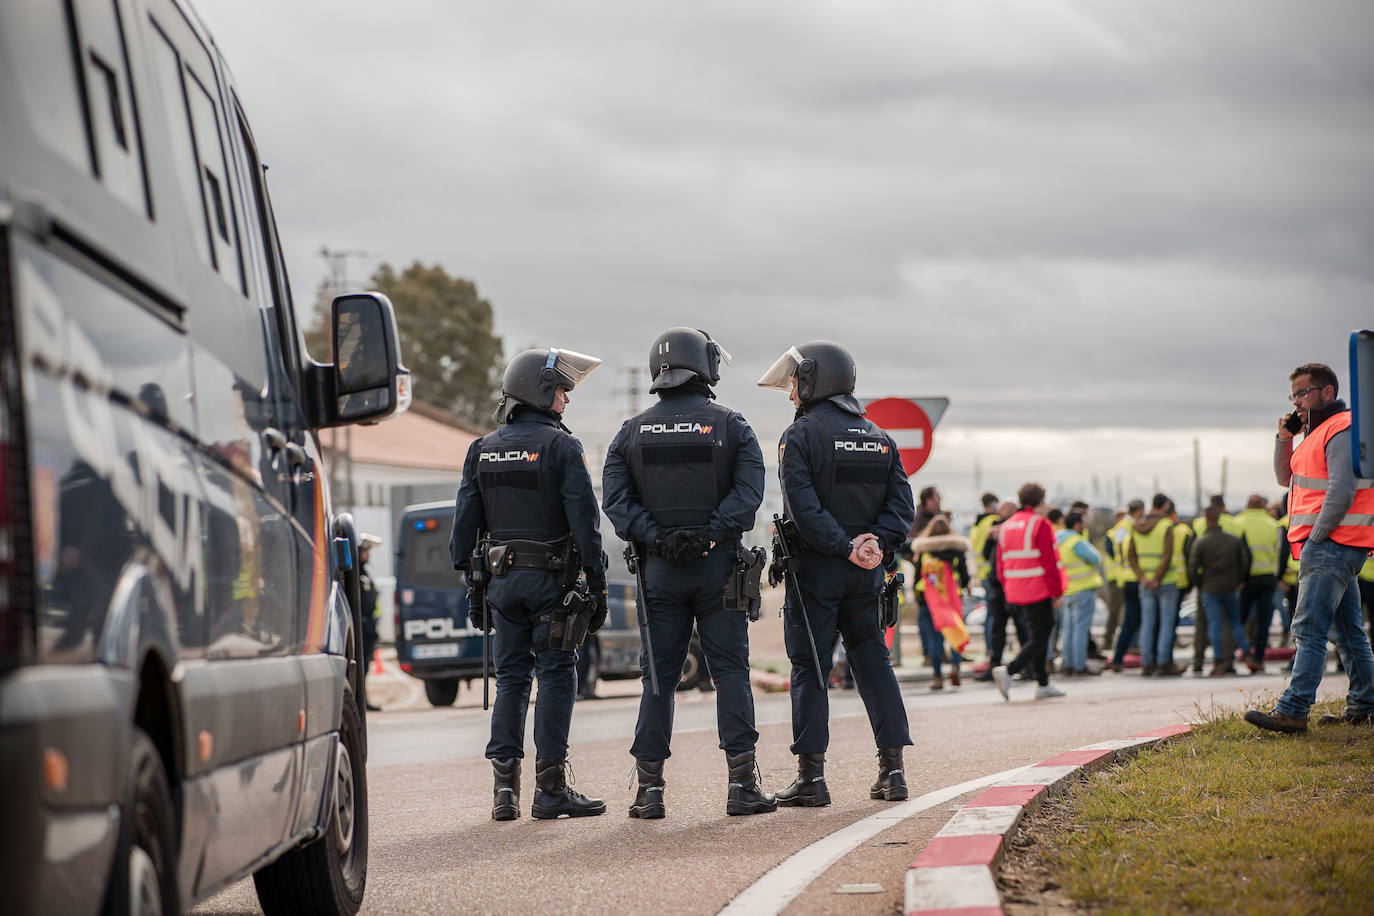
{"x":956,"y":873}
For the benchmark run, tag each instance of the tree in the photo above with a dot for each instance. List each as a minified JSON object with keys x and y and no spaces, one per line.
{"x":446,"y":338}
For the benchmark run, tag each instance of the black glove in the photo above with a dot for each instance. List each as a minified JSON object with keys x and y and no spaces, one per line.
{"x":683,"y":548}
{"x":599,"y":615}
{"x":475,"y":614}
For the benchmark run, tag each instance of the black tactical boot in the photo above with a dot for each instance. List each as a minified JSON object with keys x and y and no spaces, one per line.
{"x":745,"y":795}
{"x":648,"y":802}
{"x":505,"y":796}
{"x":553,"y":797}
{"x":891,"y":784}
{"x":809,"y":790}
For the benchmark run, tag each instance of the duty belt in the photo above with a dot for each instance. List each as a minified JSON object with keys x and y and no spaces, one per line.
{"x":519,"y":554}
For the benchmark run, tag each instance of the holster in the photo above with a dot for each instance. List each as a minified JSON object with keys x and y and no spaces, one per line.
{"x":742,"y":588}
{"x":889,"y":600}
{"x":568,"y":623}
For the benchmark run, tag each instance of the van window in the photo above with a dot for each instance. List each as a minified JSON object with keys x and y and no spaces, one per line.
{"x":425,"y":562}
{"x":198,"y":150}
{"x":116,"y":138}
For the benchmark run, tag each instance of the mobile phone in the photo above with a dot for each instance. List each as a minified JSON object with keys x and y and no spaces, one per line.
{"x":1293,"y":423}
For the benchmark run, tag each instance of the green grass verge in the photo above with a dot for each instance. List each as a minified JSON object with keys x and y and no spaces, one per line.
{"x":1228,"y":820}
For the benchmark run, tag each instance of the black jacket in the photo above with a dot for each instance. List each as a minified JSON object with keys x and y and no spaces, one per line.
{"x":566,"y":466}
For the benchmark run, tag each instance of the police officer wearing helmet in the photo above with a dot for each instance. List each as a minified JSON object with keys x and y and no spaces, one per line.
{"x":845,"y":490}
{"x":526,"y":488}
{"x":683,"y":480}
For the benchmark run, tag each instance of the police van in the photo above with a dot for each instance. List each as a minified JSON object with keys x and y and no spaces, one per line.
{"x":435,"y":641}
{"x":179,"y":629}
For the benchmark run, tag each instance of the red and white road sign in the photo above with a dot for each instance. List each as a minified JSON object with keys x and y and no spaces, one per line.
{"x":911,"y":422}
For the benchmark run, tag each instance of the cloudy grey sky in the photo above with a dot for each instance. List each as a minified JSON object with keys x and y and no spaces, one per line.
{"x":1101,"y":228}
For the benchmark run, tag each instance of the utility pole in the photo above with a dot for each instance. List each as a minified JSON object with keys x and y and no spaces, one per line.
{"x":1197,"y":477}
{"x":978,"y":475}
{"x":633,"y":390}
{"x":341,"y":463}
{"x":1224,"y":461}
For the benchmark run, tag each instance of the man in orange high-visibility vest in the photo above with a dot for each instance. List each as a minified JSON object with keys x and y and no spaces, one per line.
{"x":1331,"y":529}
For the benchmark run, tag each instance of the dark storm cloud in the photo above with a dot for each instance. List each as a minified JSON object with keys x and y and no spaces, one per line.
{"x":1056,"y":213}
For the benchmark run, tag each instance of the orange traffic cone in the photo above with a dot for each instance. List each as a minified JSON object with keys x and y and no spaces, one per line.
{"x":377,"y":666}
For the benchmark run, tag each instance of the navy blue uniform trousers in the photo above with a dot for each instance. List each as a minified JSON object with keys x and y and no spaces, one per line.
{"x":678,"y":597}
{"x":517,"y":600}
{"x":841,"y":600}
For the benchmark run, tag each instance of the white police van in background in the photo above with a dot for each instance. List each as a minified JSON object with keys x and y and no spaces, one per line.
{"x":179,"y":636}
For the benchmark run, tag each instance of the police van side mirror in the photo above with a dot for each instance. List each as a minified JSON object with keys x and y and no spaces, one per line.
{"x":366,"y":382}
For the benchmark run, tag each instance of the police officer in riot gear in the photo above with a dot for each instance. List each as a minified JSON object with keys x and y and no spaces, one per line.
{"x":525,"y":487}
{"x":683,"y":480}
{"x":847,"y":494}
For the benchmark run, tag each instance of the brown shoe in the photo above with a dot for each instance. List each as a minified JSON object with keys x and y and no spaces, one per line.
{"x":1169,"y":670}
{"x":1254,"y":664}
{"x":1348,"y":718}
{"x":954,"y":676}
{"x":1218,"y":670}
{"x":1276,"y":721}
{"x":937,"y":683}
{"x":1117,"y":667}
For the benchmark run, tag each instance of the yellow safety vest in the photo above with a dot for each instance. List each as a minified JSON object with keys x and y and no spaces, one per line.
{"x":1290,"y":572}
{"x":1228,"y":524}
{"x":979,"y":537}
{"x":1367,"y":571}
{"x":1178,"y":566}
{"x":1082,"y":575}
{"x":1120,"y":535}
{"x":1109,"y":561}
{"x":1262,"y":536}
{"x":1149,"y":548}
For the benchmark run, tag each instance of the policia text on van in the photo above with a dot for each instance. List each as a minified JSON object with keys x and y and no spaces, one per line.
{"x":179,"y":637}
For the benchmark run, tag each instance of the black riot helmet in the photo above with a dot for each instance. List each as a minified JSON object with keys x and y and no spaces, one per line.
{"x":823,"y":369}
{"x":681,"y":354}
{"x":533,"y":378}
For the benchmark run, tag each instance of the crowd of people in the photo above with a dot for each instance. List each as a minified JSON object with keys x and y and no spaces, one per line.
{"x":1142,"y":565}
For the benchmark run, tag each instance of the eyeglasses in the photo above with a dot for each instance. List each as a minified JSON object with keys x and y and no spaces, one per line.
{"x":1293,"y":398}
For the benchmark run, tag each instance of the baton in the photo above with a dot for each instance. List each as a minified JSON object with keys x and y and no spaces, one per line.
{"x":486,"y":622}
{"x":634,"y":559}
{"x":789,"y":565}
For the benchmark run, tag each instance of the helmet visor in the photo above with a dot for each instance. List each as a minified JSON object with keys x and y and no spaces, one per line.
{"x":779,"y":375}
{"x":572,"y":365}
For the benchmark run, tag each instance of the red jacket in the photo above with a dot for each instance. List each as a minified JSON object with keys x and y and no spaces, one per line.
{"x":1027,"y":559}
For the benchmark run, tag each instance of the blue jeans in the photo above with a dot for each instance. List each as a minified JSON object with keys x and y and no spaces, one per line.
{"x":932,"y":640}
{"x":1224,"y":604}
{"x":1078,"y":617}
{"x":1130,"y":620}
{"x":1329,"y":602}
{"x":1158,"y":620}
{"x":1055,"y":627}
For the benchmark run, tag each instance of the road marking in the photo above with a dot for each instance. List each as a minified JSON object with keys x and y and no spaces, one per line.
{"x":781,"y":884}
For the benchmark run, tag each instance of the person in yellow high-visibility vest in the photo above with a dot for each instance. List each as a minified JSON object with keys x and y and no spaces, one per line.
{"x":1083,"y":566}
{"x":1150,"y":551}
{"x":1261,"y":535}
{"x":1120,"y":537}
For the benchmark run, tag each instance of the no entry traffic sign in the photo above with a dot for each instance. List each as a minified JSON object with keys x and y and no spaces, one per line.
{"x":911,"y":422}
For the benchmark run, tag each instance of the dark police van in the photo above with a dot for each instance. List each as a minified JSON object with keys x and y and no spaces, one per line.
{"x":179,"y":636}
{"x":436,"y":642}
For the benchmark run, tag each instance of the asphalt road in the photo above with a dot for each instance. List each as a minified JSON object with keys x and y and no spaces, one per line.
{"x":434,"y":848}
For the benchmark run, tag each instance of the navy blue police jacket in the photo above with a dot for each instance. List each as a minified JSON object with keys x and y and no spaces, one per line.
{"x":842,"y":476}
{"x":528,"y":480}
{"x":687,"y":463}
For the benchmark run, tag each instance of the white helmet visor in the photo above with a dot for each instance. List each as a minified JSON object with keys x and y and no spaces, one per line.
{"x":571,"y":364}
{"x":779,"y":375}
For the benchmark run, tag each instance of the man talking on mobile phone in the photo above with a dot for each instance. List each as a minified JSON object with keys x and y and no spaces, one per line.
{"x":1331,"y":529}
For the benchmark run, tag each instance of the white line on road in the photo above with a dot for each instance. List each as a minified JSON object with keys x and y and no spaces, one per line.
{"x":777,"y":888}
